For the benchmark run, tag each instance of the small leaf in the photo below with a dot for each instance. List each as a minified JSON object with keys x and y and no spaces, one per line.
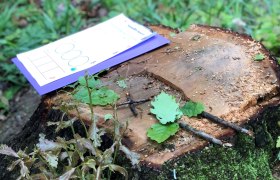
{"x":95,"y":135}
{"x":90,"y":163}
{"x":51,"y":159}
{"x":67,"y":175}
{"x":278,"y":142}
{"x":122,"y":84}
{"x":259,"y":57}
{"x":108,"y":117}
{"x":6,"y":150}
{"x":132,"y":156}
{"x":24,"y":172}
{"x":47,"y":145}
{"x":278,"y":156}
{"x":172,"y":34}
{"x":160,"y":132}
{"x":165,"y":108}
{"x":93,"y":82}
{"x":278,"y":60}
{"x":62,"y":124}
{"x":102,"y":96}
{"x":87,"y":144}
{"x":191,"y":108}
{"x":114,"y":167}
{"x":13,"y":165}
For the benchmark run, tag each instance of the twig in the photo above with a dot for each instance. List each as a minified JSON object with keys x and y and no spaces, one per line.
{"x":225,"y":123}
{"x":204,"y":135}
{"x":131,"y":105}
{"x":134,"y":102}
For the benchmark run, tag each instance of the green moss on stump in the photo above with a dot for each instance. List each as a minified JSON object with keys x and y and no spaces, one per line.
{"x":250,"y":158}
{"x":215,"y":162}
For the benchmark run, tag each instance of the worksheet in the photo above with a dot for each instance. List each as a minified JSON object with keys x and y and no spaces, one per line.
{"x":84,"y":49}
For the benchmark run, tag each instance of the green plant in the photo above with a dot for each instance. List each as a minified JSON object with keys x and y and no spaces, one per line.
{"x":79,"y":157}
{"x":259,"y":57}
{"x":191,"y":108}
{"x":167,"y":111}
{"x":165,"y":108}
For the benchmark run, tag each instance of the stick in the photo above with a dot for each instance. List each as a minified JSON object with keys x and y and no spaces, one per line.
{"x":131,"y":105}
{"x":204,"y":135}
{"x":225,"y":123}
{"x":134,"y":102}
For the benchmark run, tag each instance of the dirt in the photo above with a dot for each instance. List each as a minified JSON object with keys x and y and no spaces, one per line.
{"x":22,"y":108}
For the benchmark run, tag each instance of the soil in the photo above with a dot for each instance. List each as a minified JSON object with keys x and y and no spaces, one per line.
{"x":22,"y":108}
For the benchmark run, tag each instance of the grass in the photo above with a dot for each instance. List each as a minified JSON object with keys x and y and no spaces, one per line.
{"x":26,"y":25}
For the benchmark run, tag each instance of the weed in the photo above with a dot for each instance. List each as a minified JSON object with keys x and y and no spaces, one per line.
{"x":80,"y":157}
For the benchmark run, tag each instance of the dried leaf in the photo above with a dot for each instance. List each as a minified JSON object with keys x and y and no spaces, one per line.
{"x":51,"y":159}
{"x":132,"y":156}
{"x":160,"y":132}
{"x":47,"y":145}
{"x":67,"y":175}
{"x":191,"y":108}
{"x":95,"y":134}
{"x":87,"y":144}
{"x":6,"y":150}
{"x":40,"y":176}
{"x":13,"y":165}
{"x":114,"y":167}
{"x":24,"y":172}
{"x":90,"y":163}
{"x":166,"y":108}
{"x":62,"y":124}
{"x":107,"y":157}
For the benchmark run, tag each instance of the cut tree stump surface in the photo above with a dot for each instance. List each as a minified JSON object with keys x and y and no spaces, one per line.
{"x":204,"y":64}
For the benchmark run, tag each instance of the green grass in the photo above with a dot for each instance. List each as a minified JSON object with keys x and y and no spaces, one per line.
{"x":25,"y":25}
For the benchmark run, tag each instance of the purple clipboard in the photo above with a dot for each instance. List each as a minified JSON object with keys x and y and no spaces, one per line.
{"x":146,"y":46}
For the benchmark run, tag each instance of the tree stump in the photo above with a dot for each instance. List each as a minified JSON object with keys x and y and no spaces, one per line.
{"x":214,"y":66}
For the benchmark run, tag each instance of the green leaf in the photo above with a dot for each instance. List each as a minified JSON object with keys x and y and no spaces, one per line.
{"x":122,"y":84}
{"x":108,"y":117}
{"x":191,"y":108}
{"x":93,"y":82}
{"x":160,"y":132}
{"x":165,"y":108}
{"x":259,"y":57}
{"x":102,"y":96}
{"x":278,"y":142}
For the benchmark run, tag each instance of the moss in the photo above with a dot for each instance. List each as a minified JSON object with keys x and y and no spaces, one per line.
{"x":250,"y":158}
{"x":244,"y":162}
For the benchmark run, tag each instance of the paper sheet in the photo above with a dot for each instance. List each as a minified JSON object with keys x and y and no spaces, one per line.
{"x":83,"y":50}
